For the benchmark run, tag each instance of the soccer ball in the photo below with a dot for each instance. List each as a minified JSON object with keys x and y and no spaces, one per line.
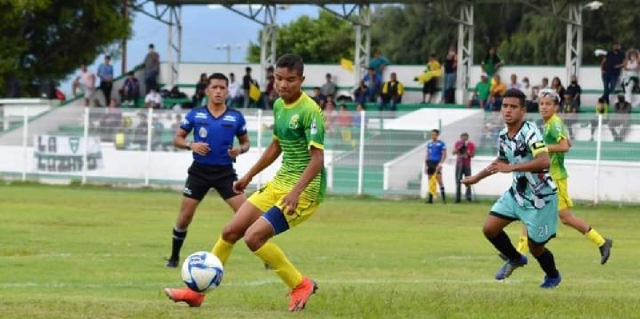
{"x":202,"y":271}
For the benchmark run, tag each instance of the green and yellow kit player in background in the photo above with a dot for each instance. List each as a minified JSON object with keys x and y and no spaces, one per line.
{"x":555,"y":136}
{"x":290,"y":198}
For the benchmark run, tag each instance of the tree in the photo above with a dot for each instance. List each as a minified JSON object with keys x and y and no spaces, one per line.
{"x":325,"y":39}
{"x":48,"y":39}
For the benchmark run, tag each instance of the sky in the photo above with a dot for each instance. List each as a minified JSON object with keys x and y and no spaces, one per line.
{"x":203,"y":27}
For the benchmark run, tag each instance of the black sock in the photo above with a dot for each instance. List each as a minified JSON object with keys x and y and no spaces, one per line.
{"x":178,"y":240}
{"x":548,"y":264}
{"x":442,"y":192}
{"x":503,"y":244}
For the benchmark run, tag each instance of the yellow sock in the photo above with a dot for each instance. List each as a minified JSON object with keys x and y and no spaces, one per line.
{"x":594,"y":237}
{"x":222,"y":249}
{"x":273,"y":255}
{"x":523,"y":245}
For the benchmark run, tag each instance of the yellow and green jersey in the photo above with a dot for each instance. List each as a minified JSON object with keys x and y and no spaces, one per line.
{"x":298,"y":127}
{"x":554,"y":132}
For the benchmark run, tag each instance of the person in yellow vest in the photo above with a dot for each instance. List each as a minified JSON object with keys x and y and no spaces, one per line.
{"x":392,"y":92}
{"x":429,"y":78}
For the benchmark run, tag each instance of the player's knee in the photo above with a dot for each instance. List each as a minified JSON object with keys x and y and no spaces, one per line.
{"x":566,"y":218}
{"x":253,"y":240}
{"x":489,"y":232}
{"x":536,"y":249}
{"x":231,"y":234}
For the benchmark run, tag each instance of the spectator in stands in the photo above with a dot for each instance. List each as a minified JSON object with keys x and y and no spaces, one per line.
{"x":556,"y":85}
{"x":430,"y":79}
{"x":87,"y":82}
{"x":130,"y":91}
{"x":176,"y":123}
{"x":574,"y":91}
{"x":361,"y":93}
{"x":391,"y":94}
{"x":110,"y":122}
{"x":612,"y":66}
{"x":528,"y":93}
{"x":450,"y":69}
{"x":464,"y":150}
{"x":140,"y":135}
{"x":151,"y":69}
{"x":570,"y":109}
{"x":247,"y":80}
{"x":374,"y":83}
{"x":631,"y":77}
{"x":235,"y":93}
{"x":199,"y":94}
{"x":357,"y":116}
{"x":105,"y":73}
{"x":329,"y":113}
{"x":379,"y":62}
{"x":620,"y":119}
{"x":318,"y":97}
{"x":491,"y":63}
{"x":270,"y":94}
{"x":329,"y":88}
{"x":480,"y":93}
{"x":601,"y":108}
{"x":514,"y":84}
{"x":498,"y":88}
{"x":344,"y":121}
{"x":153,"y":99}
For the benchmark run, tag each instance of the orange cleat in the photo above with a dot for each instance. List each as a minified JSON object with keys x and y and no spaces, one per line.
{"x":190,"y":297}
{"x":300,"y":295}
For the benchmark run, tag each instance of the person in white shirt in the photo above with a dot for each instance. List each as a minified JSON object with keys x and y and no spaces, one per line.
{"x":234,"y":90}
{"x":153,"y":99}
{"x":87,"y":82}
{"x":514,"y":83}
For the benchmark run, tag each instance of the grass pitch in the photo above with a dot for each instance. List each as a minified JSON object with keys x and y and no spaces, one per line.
{"x":71,"y":252}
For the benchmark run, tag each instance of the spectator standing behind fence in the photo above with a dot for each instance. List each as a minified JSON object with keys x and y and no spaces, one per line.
{"x":379,"y":63}
{"x":329,"y":88}
{"x":464,"y":150}
{"x":130,"y":91}
{"x":491,"y":63}
{"x":374,"y":83}
{"x":201,"y":86}
{"x":450,"y":69}
{"x":105,"y":73}
{"x":87,"y":82}
{"x":620,"y":119}
{"x":631,"y":76}
{"x":611,"y":67}
{"x":151,"y":69}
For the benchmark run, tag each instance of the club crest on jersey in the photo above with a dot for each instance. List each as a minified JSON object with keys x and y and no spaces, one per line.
{"x":293,"y":122}
{"x":202,"y":132}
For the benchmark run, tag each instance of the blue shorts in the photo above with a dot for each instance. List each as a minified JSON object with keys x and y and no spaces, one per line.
{"x":541,"y":224}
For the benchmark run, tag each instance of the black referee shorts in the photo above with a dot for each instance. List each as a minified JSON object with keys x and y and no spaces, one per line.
{"x":204,"y":177}
{"x":432,"y":166}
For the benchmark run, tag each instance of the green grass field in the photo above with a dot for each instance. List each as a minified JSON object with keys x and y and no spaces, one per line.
{"x":92,"y":252}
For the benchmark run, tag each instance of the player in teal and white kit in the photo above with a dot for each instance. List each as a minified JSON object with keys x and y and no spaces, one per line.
{"x":532,"y":197}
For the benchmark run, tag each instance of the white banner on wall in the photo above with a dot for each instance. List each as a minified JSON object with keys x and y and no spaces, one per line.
{"x":65,"y":154}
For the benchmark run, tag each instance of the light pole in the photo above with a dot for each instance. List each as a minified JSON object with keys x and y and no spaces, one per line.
{"x":574,"y":37}
{"x":228,"y":47}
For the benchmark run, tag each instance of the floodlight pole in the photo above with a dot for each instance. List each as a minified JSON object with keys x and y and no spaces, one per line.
{"x":268,"y":40}
{"x":363,"y":41}
{"x":573,"y":57}
{"x":465,"y":52}
{"x":174,"y":44}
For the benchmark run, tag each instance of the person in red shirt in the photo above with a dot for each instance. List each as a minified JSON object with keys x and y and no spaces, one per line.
{"x":464,"y":150}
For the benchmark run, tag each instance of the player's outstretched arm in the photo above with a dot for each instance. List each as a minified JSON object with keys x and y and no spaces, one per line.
{"x":313,"y":169}
{"x":270,"y":154}
{"x":486,"y":172}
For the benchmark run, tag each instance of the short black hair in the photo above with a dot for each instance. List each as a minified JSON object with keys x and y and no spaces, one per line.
{"x":516,"y":94}
{"x":437,"y":131}
{"x":292,"y":62}
{"x":219,"y":76}
{"x":131,"y":73}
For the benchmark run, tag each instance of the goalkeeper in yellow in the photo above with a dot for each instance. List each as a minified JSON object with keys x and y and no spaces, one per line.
{"x":290,"y":198}
{"x":555,"y":136}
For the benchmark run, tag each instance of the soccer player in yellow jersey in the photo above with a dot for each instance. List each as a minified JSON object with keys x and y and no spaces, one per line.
{"x":555,"y":136}
{"x":291,"y":197}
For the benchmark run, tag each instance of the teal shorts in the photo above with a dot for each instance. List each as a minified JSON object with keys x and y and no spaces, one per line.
{"x":541,"y":223}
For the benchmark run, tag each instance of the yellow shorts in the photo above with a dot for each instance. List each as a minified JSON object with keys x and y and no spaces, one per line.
{"x":564,"y":201}
{"x":268,"y":197}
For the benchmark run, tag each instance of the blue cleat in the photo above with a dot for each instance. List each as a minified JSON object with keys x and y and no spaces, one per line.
{"x":550,"y":283}
{"x":507,"y":269}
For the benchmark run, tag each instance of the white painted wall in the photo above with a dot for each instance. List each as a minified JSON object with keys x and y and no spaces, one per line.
{"x":617,"y":182}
